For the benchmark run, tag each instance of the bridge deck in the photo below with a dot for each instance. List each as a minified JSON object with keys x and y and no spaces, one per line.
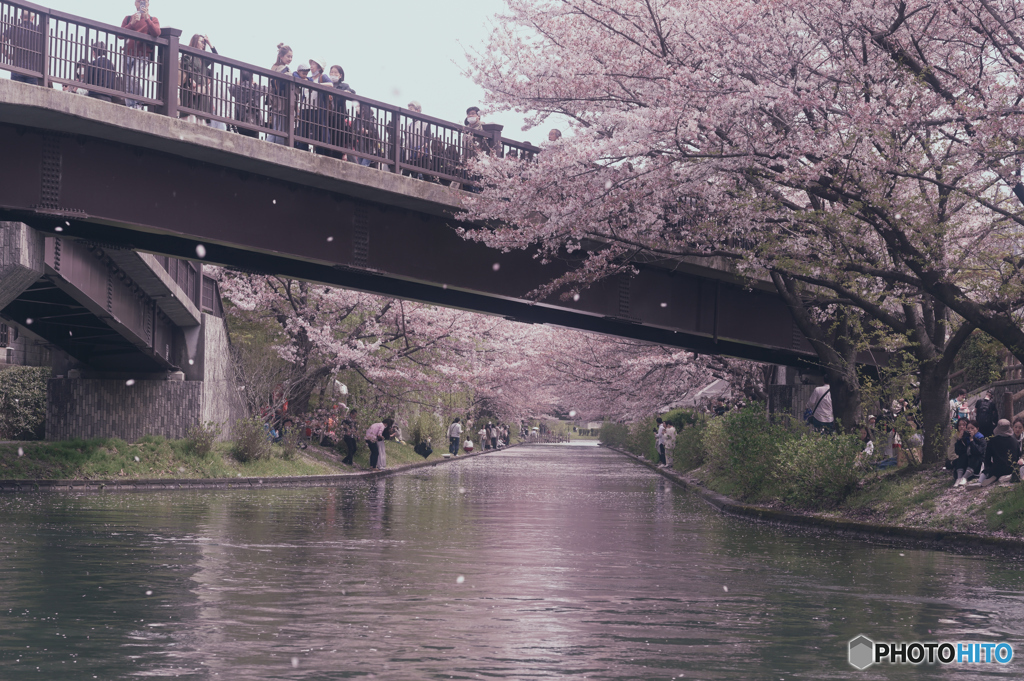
{"x":113,"y":175}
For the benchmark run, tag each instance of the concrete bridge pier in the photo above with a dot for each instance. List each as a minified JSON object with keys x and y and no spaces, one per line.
{"x":21,"y":259}
{"x":137,"y":343}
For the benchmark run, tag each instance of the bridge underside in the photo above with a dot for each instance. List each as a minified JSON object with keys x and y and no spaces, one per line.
{"x":165,"y":186}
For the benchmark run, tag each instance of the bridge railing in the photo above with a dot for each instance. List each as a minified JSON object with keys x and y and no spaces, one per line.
{"x":174,"y":79}
{"x":56,"y":47}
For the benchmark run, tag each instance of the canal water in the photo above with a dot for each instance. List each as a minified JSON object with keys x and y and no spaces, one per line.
{"x":541,"y":562}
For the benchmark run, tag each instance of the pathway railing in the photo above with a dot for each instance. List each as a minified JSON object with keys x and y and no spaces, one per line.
{"x":172,"y":79}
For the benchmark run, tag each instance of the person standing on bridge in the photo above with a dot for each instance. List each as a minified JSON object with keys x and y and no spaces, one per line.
{"x":101,"y":72}
{"x":138,"y":55}
{"x":454,"y":435}
{"x":21,"y":46}
{"x":277,"y":100}
{"x":197,"y":77}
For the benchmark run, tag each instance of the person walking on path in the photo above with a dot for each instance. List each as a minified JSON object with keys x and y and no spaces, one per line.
{"x":668,"y":443}
{"x":349,"y":429}
{"x":819,"y":404}
{"x":454,"y":435}
{"x":138,"y":55}
{"x":481,"y":436}
{"x":1002,"y":449}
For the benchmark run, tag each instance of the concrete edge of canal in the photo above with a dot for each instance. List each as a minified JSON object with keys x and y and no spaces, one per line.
{"x":958,"y":541}
{"x":172,"y":484}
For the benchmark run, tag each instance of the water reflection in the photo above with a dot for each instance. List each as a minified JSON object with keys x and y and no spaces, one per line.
{"x":576,"y":563}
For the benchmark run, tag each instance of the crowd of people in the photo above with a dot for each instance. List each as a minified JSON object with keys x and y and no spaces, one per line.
{"x":987,"y":448}
{"x":327,"y":123}
{"x":491,"y":436}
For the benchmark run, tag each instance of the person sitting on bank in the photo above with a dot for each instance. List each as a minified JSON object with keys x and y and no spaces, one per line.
{"x":1001,"y":450}
{"x":971,"y":454}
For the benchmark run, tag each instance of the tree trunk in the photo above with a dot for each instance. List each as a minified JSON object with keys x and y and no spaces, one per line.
{"x":934,"y":409}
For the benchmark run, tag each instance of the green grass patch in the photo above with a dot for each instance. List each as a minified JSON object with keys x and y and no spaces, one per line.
{"x":150,"y":457}
{"x":1006,"y":510}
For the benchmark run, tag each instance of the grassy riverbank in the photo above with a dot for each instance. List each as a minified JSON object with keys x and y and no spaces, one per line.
{"x":746,"y":457}
{"x":159,"y":458}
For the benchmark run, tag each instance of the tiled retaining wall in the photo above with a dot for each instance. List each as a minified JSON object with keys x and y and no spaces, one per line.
{"x":87,"y":408}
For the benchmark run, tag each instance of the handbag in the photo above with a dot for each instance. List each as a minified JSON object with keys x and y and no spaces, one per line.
{"x":809,"y":413}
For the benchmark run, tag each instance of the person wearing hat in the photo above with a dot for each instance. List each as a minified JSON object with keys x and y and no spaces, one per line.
{"x":318,"y":103}
{"x":302,"y":113}
{"x":1002,"y":448}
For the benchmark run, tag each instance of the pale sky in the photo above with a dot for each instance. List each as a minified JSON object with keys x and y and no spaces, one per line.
{"x":392,"y":50}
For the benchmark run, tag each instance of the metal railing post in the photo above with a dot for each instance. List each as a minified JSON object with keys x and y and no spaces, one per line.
{"x":396,"y":146}
{"x":169,"y":67}
{"x":44,"y":27}
{"x":291,"y":112}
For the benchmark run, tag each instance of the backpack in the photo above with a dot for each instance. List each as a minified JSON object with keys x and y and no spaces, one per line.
{"x":985,"y":412}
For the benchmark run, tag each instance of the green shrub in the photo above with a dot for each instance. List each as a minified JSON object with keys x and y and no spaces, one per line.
{"x":251,"y":440}
{"x":23,"y":403}
{"x":290,"y":444}
{"x":752,"y":444}
{"x":690,"y":451}
{"x":201,"y":438}
{"x":614,"y":435}
{"x":817,"y":471}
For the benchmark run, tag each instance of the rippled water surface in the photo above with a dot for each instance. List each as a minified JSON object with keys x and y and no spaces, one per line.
{"x":538,"y":562}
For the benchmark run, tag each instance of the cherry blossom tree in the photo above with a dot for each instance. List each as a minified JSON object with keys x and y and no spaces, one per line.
{"x":863,"y":155}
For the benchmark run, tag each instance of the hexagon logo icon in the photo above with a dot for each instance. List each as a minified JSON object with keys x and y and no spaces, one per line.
{"x":862,"y":652}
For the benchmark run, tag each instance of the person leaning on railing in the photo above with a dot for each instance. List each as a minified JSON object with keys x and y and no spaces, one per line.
{"x":196,"y":77}
{"x":338,"y":122}
{"x":277,"y":98}
{"x":21,"y":46}
{"x":247,"y":96}
{"x":101,"y":72}
{"x":138,"y":55}
{"x":416,"y":142}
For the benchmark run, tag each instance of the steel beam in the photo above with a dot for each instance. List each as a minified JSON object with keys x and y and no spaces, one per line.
{"x":264,"y":219}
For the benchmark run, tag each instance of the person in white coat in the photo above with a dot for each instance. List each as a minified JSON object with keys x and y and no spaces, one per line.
{"x":668,"y":443}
